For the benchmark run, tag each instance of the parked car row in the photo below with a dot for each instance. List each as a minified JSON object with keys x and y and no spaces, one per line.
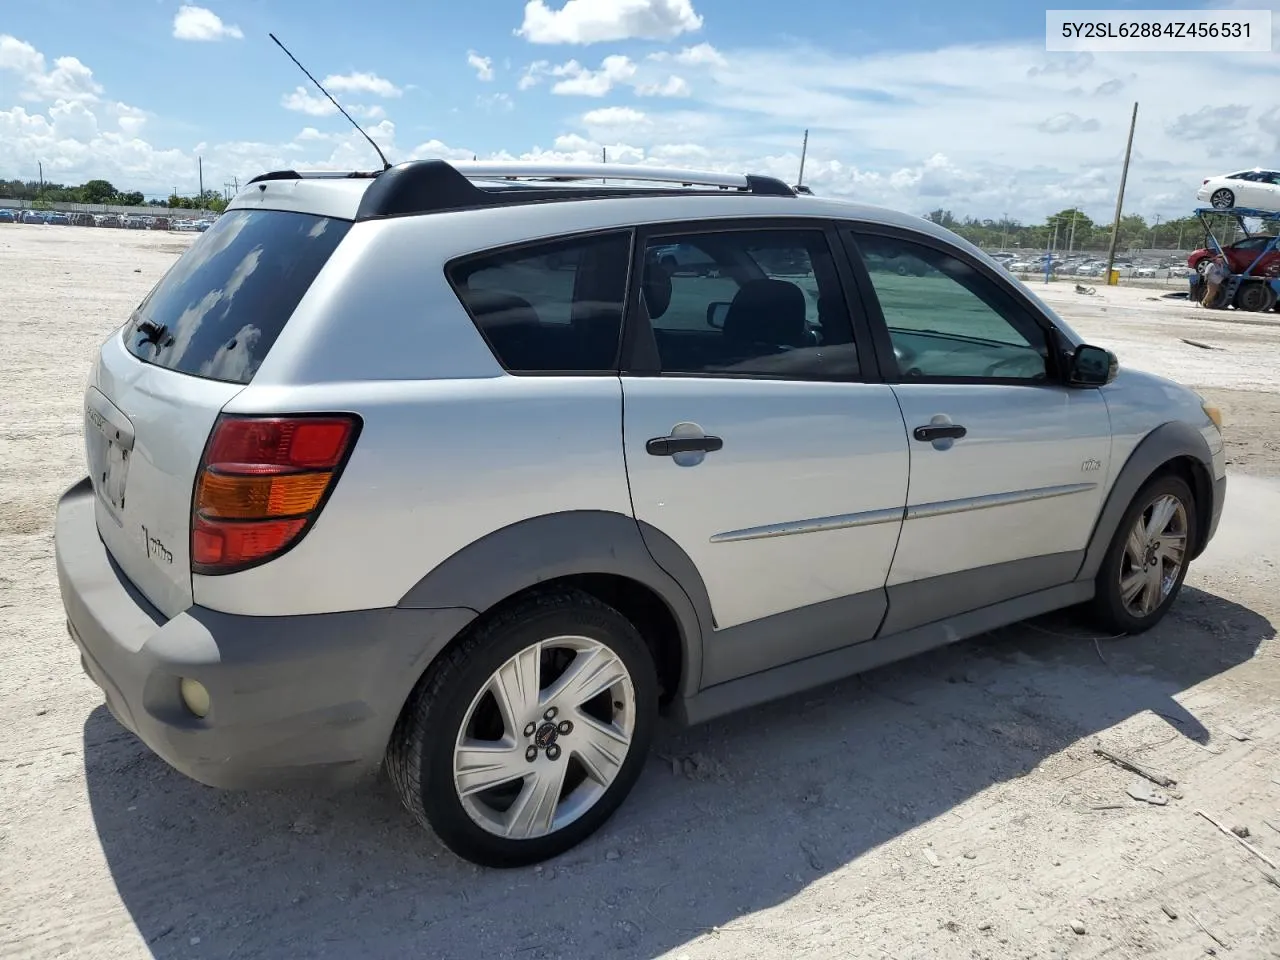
{"x":1084,"y":265}
{"x":113,"y":220}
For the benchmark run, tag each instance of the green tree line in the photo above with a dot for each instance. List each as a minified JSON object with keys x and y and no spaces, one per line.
{"x":102,"y":191}
{"x":1076,"y":230}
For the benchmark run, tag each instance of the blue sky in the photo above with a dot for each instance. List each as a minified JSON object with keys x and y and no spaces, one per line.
{"x":916,"y":104}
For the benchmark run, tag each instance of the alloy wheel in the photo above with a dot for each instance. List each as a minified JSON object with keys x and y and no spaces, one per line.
{"x":545,"y":737}
{"x":1153,"y":555}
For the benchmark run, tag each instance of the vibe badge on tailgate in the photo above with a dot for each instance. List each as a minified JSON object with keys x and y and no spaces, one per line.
{"x":155,"y":548}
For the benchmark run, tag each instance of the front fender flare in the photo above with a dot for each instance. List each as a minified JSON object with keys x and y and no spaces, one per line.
{"x":1169,"y":441}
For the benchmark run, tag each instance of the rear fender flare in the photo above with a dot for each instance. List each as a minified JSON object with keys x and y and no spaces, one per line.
{"x":549,"y":547}
{"x":1167,"y":442}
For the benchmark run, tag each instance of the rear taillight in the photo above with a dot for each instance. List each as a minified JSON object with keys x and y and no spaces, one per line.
{"x":261,"y":483}
{"x":1203,"y":182}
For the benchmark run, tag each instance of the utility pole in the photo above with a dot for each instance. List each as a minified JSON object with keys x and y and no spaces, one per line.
{"x":1124,"y":175}
{"x":200,"y":172}
{"x":1004,"y":236}
{"x":41,"y":166}
{"x":1071,"y":239}
{"x":804,"y":151}
{"x":1153,"y":231}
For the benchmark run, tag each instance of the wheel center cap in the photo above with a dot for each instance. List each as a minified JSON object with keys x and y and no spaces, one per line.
{"x":545,"y":736}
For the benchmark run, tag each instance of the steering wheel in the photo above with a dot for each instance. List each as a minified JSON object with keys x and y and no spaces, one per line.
{"x":1006,"y":362}
{"x":906,"y":358}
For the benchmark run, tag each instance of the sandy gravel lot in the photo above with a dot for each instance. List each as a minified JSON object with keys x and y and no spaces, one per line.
{"x":949,"y":806}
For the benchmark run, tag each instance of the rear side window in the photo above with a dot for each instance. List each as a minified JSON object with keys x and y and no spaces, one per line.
{"x":219,"y":309}
{"x":549,"y":307}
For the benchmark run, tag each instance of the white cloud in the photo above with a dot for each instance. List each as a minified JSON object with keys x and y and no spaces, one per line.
{"x":302,"y":100}
{"x":197,"y":23}
{"x":533,"y":74}
{"x":595,"y":21}
{"x":361,"y":83}
{"x":495,"y":101}
{"x":20,"y":56}
{"x":614,"y":117}
{"x":483,"y":66}
{"x":367,"y":111}
{"x":577,"y":80}
{"x":129,"y":119}
{"x":616,"y":70}
{"x":72,"y":120}
{"x":673,"y":86}
{"x":68,"y":80}
{"x":701,"y":55}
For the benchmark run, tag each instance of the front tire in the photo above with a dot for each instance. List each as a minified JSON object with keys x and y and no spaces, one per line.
{"x":1146,"y":562}
{"x":524,"y":738}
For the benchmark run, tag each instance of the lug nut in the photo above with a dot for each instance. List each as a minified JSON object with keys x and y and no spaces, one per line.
{"x":529,"y":729}
{"x":550,"y":714}
{"x":531,"y":754}
{"x":565,"y":728}
{"x":553,"y":752}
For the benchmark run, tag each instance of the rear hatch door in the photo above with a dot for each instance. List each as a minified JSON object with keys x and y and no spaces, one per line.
{"x":160,"y":382}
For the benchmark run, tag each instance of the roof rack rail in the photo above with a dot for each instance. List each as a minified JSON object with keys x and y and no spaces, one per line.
{"x":311,"y":175}
{"x":531,"y":170}
{"x":436,"y":186}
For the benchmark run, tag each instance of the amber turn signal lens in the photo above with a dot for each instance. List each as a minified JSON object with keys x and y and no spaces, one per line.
{"x":254,"y":497}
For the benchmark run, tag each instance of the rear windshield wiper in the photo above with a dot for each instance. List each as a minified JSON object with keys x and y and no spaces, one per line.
{"x":151,"y":331}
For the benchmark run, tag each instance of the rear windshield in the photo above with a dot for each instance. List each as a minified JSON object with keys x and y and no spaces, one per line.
{"x":219,"y":309}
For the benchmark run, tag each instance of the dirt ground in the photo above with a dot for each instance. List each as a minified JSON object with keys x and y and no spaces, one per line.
{"x":950,"y":806}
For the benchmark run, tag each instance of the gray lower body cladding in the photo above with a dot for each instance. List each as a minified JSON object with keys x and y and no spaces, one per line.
{"x":307,"y":698}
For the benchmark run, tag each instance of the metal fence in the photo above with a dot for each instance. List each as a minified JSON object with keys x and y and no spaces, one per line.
{"x":106,"y":208}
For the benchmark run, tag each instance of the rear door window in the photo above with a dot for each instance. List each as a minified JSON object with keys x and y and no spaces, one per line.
{"x":219,"y":309}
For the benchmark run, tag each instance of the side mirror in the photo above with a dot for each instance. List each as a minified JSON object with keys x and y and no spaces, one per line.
{"x":717,"y":311}
{"x":1092,"y":366}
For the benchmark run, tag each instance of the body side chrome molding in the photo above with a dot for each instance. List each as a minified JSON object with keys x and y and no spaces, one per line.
{"x":941,"y":508}
{"x":839,"y":522}
{"x":893,"y":514}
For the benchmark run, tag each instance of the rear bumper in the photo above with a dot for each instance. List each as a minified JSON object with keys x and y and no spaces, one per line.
{"x":303,"y":698}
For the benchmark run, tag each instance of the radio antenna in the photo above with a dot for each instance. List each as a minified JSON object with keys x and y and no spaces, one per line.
{"x":386,"y":164}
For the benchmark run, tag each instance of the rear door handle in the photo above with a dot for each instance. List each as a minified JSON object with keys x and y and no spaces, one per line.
{"x":939,"y":431}
{"x":670,"y":446}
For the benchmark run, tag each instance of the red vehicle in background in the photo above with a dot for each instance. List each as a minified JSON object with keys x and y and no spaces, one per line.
{"x":1240,"y":256}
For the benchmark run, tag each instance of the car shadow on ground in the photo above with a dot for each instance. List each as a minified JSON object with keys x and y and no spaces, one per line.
{"x":733,"y":817}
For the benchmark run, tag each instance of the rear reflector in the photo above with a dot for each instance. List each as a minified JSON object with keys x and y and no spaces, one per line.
{"x":261,"y":485}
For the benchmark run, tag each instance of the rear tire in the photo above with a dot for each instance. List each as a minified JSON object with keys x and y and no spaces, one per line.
{"x":1223,"y":199}
{"x":523,"y":739}
{"x":1255,"y":296}
{"x":1146,"y":562}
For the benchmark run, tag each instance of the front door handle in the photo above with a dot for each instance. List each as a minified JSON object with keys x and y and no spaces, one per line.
{"x":670,"y":446}
{"x":939,"y":431}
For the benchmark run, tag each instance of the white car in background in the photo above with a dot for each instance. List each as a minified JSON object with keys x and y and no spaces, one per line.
{"x":1255,"y":189}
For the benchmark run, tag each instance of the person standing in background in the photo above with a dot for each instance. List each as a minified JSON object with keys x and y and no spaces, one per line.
{"x":1213,"y":278}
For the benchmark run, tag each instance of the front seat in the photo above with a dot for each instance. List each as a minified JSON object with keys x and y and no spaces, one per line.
{"x":768,"y":312}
